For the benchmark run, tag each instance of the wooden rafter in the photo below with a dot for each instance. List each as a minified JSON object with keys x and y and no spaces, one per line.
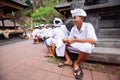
{"x":11,"y":5}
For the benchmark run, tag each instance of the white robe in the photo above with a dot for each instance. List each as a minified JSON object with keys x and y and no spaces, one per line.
{"x":87,"y":31}
{"x":57,"y":36}
{"x":49,"y":32}
{"x":35,"y":32}
{"x":65,"y":30}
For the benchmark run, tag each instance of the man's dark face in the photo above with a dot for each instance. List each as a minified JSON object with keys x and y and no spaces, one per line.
{"x":57,"y":22}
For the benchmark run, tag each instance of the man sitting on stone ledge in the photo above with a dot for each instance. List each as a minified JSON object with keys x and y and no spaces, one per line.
{"x":81,"y":41}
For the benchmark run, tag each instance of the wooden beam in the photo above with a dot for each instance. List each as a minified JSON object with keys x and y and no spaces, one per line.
{"x":64,"y":9}
{"x":11,"y":5}
{"x":14,"y":23}
{"x":3,"y":24}
{"x":3,"y":17}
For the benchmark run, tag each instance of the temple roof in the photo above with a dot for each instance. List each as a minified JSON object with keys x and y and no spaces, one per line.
{"x":10,"y":6}
{"x":63,"y":7}
{"x":7,"y":6}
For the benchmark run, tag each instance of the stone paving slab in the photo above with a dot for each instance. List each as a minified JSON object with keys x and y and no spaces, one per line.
{"x":25,"y":61}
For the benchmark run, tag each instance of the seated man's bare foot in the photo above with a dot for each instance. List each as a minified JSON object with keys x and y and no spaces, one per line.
{"x":49,"y":55}
{"x":66,"y":63}
{"x":37,"y":42}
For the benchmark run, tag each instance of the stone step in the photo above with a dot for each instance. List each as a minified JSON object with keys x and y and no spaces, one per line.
{"x":108,"y":36}
{"x":108,"y":42}
{"x":109,"y":39}
{"x":110,"y":31}
{"x":103,"y":54}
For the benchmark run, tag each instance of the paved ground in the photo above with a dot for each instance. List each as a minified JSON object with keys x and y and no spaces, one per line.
{"x":24,"y":61}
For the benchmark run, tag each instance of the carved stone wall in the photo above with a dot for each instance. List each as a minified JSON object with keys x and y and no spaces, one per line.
{"x":105,"y":18}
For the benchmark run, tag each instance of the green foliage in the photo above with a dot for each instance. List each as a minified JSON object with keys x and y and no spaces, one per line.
{"x":43,"y":11}
{"x":44,"y":14}
{"x":50,"y":3}
{"x":26,"y":25}
{"x":100,"y":66}
{"x":52,"y":59}
{"x":26,"y":11}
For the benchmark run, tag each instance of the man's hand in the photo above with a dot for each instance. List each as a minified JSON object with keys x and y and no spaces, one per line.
{"x":68,"y":41}
{"x":64,"y":40}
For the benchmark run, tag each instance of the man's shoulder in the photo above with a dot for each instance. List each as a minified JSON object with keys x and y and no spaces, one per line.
{"x":87,"y":23}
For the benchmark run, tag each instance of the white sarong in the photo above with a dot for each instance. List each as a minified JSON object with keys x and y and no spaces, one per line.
{"x":80,"y":47}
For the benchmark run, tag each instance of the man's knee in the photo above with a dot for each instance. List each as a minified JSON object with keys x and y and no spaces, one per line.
{"x":84,"y":55}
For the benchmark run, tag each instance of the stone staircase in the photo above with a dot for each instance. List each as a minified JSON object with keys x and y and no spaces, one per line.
{"x":107,"y":50}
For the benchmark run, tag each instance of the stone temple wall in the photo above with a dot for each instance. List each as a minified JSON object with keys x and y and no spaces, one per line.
{"x":105,"y":16}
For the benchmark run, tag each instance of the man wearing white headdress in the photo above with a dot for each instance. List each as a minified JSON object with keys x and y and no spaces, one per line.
{"x":81,"y":41}
{"x":55,"y":41}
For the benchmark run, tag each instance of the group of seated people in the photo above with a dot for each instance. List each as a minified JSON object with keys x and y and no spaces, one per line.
{"x":60,"y":41}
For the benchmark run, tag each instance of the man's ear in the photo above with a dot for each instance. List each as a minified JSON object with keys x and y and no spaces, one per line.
{"x":82,"y":18}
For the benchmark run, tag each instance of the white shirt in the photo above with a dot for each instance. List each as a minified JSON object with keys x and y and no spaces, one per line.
{"x":49,"y":32}
{"x":65,"y":30}
{"x":35,"y":32}
{"x":57,"y":33}
{"x":43,"y":32}
{"x":87,"y":31}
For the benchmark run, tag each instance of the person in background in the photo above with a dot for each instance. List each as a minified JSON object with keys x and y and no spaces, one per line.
{"x":81,"y":41}
{"x":35,"y":34}
{"x":65,"y":30}
{"x":47,"y":40}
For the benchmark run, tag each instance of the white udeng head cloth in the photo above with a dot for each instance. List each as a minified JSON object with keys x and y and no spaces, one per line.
{"x":36,"y":26}
{"x":59,"y":22}
{"x":78,"y":12}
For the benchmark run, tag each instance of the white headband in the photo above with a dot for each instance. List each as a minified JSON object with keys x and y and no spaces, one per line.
{"x":78,"y":12}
